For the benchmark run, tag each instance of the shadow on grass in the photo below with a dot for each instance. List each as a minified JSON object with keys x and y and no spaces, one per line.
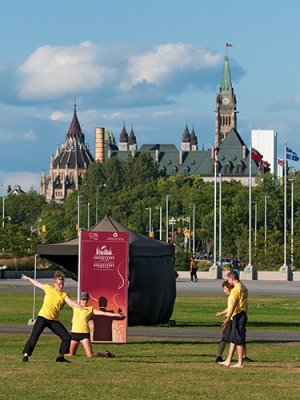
{"x":274,"y":325}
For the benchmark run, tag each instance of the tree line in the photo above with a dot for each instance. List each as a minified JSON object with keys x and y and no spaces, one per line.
{"x":126,"y":189}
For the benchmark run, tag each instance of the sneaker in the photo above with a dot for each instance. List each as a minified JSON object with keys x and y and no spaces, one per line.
{"x":219,"y":359}
{"x":25,"y":359}
{"x":247,"y":359}
{"x":62,"y":359}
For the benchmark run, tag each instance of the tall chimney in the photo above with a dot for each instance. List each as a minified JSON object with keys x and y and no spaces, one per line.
{"x":99,"y":144}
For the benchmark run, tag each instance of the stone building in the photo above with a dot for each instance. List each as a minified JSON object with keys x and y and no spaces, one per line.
{"x":68,"y":165}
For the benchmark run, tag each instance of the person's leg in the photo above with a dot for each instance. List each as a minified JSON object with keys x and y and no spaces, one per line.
{"x":240,"y":352}
{"x":38,"y":328}
{"x":86,"y":343}
{"x":221,"y":349}
{"x":196,"y":278}
{"x":192,"y":276}
{"x":59,"y":330}
{"x":73,"y":348}
{"x":227,"y":362}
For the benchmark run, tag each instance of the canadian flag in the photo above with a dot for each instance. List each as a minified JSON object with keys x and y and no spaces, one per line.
{"x":280,"y":162}
{"x":255,"y":155}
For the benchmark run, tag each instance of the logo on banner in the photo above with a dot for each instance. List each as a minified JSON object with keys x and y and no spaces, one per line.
{"x":104,"y":258}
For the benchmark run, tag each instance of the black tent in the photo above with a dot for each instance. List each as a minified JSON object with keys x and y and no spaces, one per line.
{"x":152,"y":284}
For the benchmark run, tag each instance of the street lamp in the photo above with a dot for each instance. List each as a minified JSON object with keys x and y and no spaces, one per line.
{"x":292,"y":222}
{"x":193,"y":216}
{"x":255,"y":224}
{"x":167,"y":217}
{"x":266,"y":197}
{"x":160,"y":221}
{"x":150,"y":220}
{"x":172,"y":222}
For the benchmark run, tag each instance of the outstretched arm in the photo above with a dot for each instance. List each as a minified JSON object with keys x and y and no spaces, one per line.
{"x":34,"y":282}
{"x":108,"y":314}
{"x":71,"y":302}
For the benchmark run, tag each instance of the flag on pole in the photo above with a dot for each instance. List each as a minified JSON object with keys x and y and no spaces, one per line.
{"x":229,"y":45}
{"x":280,"y":162}
{"x":291,"y":155}
{"x":255,"y":155}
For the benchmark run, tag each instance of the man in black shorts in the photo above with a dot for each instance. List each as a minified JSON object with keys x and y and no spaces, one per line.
{"x":237,"y":312}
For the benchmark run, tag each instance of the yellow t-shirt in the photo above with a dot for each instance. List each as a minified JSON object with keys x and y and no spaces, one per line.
{"x":53,"y":303}
{"x":80,"y":321}
{"x":239,"y":293}
{"x":229,"y":301}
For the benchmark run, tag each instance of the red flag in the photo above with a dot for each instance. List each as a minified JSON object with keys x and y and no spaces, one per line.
{"x":256,"y":156}
{"x":280,"y":162}
{"x":228,"y":44}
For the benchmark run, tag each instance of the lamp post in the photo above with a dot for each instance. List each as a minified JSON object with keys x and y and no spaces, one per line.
{"x":78,"y":215}
{"x":255,"y":224}
{"x":3,"y":212}
{"x":193,"y":227}
{"x":150,"y":220}
{"x":266,"y":223}
{"x":220,"y":220}
{"x":88,"y":216}
{"x":160,"y":221}
{"x":167,"y":217}
{"x":292,"y":222}
{"x":172,"y":222}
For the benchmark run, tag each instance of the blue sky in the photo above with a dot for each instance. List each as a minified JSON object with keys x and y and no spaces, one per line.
{"x":155,"y":65}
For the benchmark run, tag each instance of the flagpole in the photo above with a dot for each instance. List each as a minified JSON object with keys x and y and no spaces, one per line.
{"x":220,"y":220}
{"x":284,"y":203}
{"x":250,"y":200}
{"x":215,"y":206}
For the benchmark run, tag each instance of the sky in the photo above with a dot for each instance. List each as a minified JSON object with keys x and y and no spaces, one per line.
{"x":153,"y":65}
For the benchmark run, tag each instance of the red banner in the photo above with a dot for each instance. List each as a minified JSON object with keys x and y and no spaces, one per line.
{"x":103,"y":274}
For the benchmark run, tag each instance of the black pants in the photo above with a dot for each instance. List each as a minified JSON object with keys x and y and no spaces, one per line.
{"x":194,"y":274}
{"x":56,"y":327}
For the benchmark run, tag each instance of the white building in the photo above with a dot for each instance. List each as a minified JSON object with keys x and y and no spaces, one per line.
{"x":265,"y":141}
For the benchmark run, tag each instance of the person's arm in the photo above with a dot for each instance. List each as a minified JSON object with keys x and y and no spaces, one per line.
{"x":71,"y":302}
{"x":108,"y":314}
{"x":230,"y":312}
{"x":34,"y":282}
{"x":224,"y":312}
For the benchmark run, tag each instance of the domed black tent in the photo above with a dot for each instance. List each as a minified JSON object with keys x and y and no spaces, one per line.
{"x":152,"y":283}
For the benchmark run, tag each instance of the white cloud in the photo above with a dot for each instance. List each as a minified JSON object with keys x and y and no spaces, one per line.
{"x":27,"y":180}
{"x":59,"y":116}
{"x":28,"y":136}
{"x":116,"y":76}
{"x":51,"y":72}
{"x":166,"y":61}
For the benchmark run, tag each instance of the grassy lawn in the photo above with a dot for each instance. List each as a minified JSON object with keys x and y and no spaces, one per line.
{"x":155,"y":369}
{"x":190,"y":312}
{"x":143,"y":369}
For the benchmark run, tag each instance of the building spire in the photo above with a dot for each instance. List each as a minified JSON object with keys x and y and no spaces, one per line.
{"x":75,"y":105}
{"x":226,"y":86}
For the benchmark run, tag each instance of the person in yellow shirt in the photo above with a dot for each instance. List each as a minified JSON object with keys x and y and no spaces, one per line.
{"x":227,"y":329}
{"x":237,"y":312}
{"x":80,"y":331}
{"x":55,"y":298}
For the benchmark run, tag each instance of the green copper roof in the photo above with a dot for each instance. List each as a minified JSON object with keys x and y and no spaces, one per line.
{"x":226,"y":78}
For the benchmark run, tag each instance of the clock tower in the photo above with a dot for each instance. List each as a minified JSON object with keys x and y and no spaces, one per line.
{"x":225,"y":106}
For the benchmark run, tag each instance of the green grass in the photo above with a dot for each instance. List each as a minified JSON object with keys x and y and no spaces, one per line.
{"x":148,"y":369}
{"x":155,"y":369}
{"x":189,"y":312}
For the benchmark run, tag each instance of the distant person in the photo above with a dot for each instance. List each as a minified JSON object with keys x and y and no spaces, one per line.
{"x":227,"y":329}
{"x":80,"y":331}
{"x":193,"y":269}
{"x":236,"y":266}
{"x":53,"y":302}
{"x":237,"y":313}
